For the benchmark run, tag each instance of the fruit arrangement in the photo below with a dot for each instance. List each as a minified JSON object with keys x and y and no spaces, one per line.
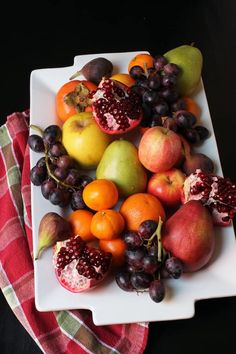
{"x":142,"y":205}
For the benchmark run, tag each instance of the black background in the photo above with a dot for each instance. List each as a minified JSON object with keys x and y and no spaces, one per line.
{"x":50,"y":33}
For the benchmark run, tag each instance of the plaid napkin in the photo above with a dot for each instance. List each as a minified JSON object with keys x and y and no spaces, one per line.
{"x":55,"y":332}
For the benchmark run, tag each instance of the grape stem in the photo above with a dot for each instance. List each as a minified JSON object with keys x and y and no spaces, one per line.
{"x":157,"y":234}
{"x":50,"y":174}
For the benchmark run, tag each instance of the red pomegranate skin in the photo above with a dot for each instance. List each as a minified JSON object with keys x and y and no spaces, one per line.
{"x":190,"y":236}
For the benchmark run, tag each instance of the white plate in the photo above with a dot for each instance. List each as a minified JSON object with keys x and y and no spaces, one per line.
{"x":108,"y":303}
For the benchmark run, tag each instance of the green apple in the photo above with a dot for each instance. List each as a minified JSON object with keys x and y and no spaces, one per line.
{"x":83,"y":139}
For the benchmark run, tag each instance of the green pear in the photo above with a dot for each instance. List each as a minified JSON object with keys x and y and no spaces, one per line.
{"x":121,"y":165}
{"x":189,"y":60}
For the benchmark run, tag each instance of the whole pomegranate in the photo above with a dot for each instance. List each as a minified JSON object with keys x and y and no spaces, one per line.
{"x":78,"y":266}
{"x":116,"y":108}
{"x":215,"y":192}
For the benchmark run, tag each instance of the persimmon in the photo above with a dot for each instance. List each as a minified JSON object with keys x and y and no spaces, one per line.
{"x":144,"y":60}
{"x":100,"y":194}
{"x":72,"y":98}
{"x":107,"y":224}
{"x":117,"y":248}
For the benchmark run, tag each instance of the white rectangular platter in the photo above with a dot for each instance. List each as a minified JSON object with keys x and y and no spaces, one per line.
{"x":108,"y":303}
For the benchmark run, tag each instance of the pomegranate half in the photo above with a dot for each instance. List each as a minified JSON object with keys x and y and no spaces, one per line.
{"x":116,"y":108}
{"x":217,"y":193}
{"x":78,"y":266}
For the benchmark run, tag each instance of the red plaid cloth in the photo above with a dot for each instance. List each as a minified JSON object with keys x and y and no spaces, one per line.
{"x":54,"y":332}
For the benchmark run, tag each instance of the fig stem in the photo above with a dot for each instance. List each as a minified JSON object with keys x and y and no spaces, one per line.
{"x":39,"y":251}
{"x":75,"y":75}
{"x":38,"y":129}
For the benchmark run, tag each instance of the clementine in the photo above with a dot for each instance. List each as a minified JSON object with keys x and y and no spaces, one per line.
{"x":100,"y":194}
{"x":125,"y":79}
{"x":80,"y":221}
{"x":117,"y":248}
{"x":140,"y":207}
{"x":192,"y":106}
{"x":143,"y":59}
{"x":107,"y":224}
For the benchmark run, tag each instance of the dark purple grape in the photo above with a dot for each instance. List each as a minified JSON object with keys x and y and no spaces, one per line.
{"x":141,"y":280}
{"x":157,"y":290}
{"x":41,"y":162}
{"x":65,"y":198}
{"x":203,"y":132}
{"x":143,"y":83}
{"x":170,"y":123}
{"x":123,"y":280}
{"x":73,"y":177}
{"x":151,"y":70}
{"x":57,"y":150}
{"x":168,"y":80}
{"x":132,"y":239}
{"x":38,"y":175}
{"x":150,"y":264}
{"x":153,"y":249}
{"x":178,"y":105}
{"x":36,"y":143}
{"x":150,"y":97}
{"x":147,"y":111}
{"x":147,"y":228}
{"x":52,"y":134}
{"x":156,"y":120}
{"x":171,"y":69}
{"x":84,"y":180}
{"x":169,"y":94}
{"x":56,"y":197}
{"x":137,"y":73}
{"x":159,"y":62}
{"x":161,"y":107}
{"x":138,"y":89}
{"x":47,"y":187}
{"x":174,"y":267}
{"x":60,"y":173}
{"x":134,"y":257}
{"x":191,"y":135}
{"x":154,"y":81}
{"x":77,"y":201}
{"x":64,"y":161}
{"x":185,"y":119}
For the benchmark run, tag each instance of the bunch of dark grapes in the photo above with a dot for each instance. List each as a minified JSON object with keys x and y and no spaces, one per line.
{"x":57,"y":173}
{"x":146,"y":262}
{"x":162,"y":105}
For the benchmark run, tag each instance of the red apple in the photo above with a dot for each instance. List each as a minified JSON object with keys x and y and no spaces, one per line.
{"x":160,"y":149}
{"x":167,"y":187}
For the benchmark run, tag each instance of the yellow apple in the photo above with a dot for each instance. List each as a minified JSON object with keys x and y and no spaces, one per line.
{"x":83,"y":139}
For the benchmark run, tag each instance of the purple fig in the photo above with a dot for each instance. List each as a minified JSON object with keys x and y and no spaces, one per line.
{"x":52,"y":228}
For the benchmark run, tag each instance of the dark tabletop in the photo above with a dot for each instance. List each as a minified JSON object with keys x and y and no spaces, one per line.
{"x":50,"y":33}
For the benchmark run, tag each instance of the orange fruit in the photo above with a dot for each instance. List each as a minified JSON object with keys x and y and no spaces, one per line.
{"x":100,"y":194}
{"x":143,"y":59}
{"x":116,"y":247}
{"x":140,"y":207}
{"x":80,"y":221}
{"x":107,"y":224}
{"x":125,"y":79}
{"x":192,"y":106}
